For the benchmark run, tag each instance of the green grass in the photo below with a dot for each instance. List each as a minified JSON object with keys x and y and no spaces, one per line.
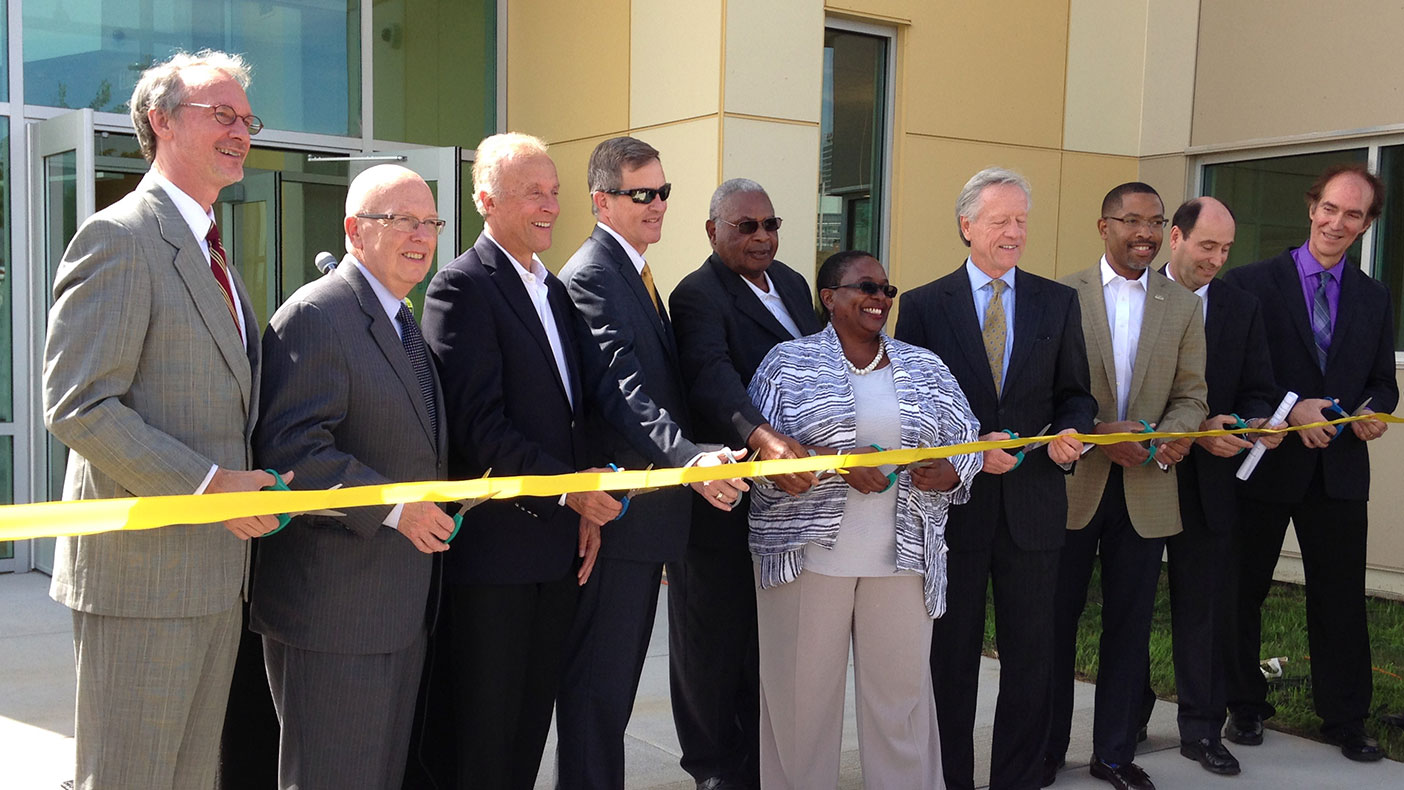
{"x":1284,"y":634}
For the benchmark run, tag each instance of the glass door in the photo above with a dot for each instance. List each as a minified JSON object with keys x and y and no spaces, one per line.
{"x":62,"y":195}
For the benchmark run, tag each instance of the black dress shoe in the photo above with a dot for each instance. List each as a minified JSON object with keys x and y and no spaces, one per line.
{"x":1245,"y":729}
{"x":1127,"y":776}
{"x":1211,"y":754}
{"x":1051,"y":766}
{"x":1356,"y":745}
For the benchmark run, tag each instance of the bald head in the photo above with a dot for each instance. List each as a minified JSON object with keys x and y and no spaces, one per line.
{"x":398,"y":258}
{"x":1201,"y":234}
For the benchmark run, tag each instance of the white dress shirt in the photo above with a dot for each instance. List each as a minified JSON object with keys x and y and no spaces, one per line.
{"x":1126,"y":306}
{"x":534,"y":280}
{"x":770,"y":298}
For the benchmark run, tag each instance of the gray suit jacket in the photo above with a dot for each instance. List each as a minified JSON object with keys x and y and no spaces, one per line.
{"x":342,"y":405}
{"x":147,"y":382}
{"x":1167,"y":389}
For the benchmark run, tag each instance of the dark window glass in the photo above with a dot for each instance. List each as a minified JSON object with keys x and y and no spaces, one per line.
{"x":305,"y":54}
{"x":1389,"y":234}
{"x":852,"y":134}
{"x":435,"y":71}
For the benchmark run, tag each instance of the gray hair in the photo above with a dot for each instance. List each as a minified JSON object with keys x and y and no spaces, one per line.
{"x":162,"y":88}
{"x":609,"y":160}
{"x":729,"y":187}
{"x":493,"y":153}
{"x":971,"y":198}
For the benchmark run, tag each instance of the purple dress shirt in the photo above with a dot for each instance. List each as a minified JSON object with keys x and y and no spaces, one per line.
{"x":1307,"y":269}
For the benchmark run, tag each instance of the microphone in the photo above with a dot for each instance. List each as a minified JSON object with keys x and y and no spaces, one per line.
{"x":325,"y":262}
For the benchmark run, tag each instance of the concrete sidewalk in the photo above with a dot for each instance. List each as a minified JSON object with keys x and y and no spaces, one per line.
{"x":36,"y":722}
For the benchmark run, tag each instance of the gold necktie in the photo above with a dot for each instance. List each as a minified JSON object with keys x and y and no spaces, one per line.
{"x":994,"y":333}
{"x":648,"y":285}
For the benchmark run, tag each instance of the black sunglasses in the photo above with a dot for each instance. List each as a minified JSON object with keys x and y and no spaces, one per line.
{"x":642,"y":195}
{"x":870,"y":288}
{"x":748,"y":226}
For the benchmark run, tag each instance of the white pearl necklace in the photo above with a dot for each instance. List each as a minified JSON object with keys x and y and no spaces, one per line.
{"x":871,"y":366}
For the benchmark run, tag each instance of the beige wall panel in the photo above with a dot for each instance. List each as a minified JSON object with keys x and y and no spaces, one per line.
{"x":784,"y":158}
{"x":989,"y":71}
{"x":575,"y":221}
{"x":674,"y":61}
{"x":925,"y":242}
{"x":1085,"y":180}
{"x":1167,"y":174}
{"x":1105,"y":77}
{"x":772,"y":73}
{"x":566,"y":63}
{"x":1253,"y":80}
{"x":1172,"y":36}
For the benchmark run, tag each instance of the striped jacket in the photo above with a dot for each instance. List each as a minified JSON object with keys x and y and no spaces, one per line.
{"x":802,"y":389}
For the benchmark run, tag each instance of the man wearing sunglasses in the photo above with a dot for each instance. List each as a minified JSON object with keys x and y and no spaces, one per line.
{"x":151,"y":378}
{"x":1020,"y":359}
{"x":642,"y":419}
{"x":728,"y":314}
{"x":1145,"y":348}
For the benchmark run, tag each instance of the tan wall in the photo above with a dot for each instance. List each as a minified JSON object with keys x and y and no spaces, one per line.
{"x":1260,"y":61}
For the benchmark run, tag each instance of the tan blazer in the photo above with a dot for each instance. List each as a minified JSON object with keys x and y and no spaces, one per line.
{"x":147,"y":382}
{"x":1167,"y":389}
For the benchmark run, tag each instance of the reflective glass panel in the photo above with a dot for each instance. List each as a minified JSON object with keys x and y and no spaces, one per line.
{"x":1268,"y":201}
{"x":852,"y":138}
{"x":1389,"y":234}
{"x":7,"y":487}
{"x":435,"y":71}
{"x":305,"y":54}
{"x":7,"y":388}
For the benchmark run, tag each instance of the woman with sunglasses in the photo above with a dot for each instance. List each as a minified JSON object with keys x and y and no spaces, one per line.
{"x":859,"y":557}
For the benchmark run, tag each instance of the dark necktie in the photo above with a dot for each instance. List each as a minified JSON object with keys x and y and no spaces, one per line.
{"x":414,"y":347}
{"x":994,"y":333}
{"x":221,"y":275}
{"x":1321,"y":319}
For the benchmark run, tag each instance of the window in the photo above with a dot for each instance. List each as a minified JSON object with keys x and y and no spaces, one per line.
{"x":854,"y":139}
{"x":305,"y":53}
{"x":1267,"y":196}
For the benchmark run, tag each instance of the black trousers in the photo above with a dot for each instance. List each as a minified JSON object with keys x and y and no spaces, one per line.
{"x":605,"y":656}
{"x":508,"y":646}
{"x":1202,"y":575}
{"x":1332,"y":535}
{"x":1024,"y":585}
{"x":1130,"y":572}
{"x":713,"y":663}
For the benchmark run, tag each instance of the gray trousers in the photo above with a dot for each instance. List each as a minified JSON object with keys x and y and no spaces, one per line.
{"x":346,"y":718}
{"x":150,"y":699}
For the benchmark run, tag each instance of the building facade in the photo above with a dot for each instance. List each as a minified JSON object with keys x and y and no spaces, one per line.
{"x":861,"y":117}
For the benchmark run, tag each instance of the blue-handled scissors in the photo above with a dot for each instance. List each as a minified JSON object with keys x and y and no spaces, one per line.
{"x":631,"y":493}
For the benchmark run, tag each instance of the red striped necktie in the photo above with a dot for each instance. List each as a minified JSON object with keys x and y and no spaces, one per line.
{"x":221,"y":274}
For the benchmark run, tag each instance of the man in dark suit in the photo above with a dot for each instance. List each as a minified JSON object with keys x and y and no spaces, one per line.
{"x":151,"y":371}
{"x":727,"y":315}
{"x":504,"y":336}
{"x":642,"y":419}
{"x":351,"y":398}
{"x":1020,"y":359}
{"x":1145,"y":349}
{"x":1200,"y":559}
{"x":1333,"y":339}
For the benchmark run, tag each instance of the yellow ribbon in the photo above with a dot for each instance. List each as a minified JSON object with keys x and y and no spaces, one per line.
{"x":87,"y":517}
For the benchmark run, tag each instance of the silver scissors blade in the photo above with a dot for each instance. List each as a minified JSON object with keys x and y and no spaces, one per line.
{"x":464,"y":505}
{"x":633,"y":492}
{"x":333,"y":513}
{"x":1041,"y":432}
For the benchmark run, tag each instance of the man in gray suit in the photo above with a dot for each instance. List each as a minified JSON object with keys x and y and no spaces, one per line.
{"x":351,"y":397}
{"x":151,"y":380}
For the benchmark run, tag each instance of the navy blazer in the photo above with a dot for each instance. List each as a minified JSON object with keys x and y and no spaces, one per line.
{"x":1238,"y":370}
{"x":508,"y":411}
{"x":1047,"y":383}
{"x":639,"y":413}
{"x":723,"y":333}
{"x":1359,"y":365}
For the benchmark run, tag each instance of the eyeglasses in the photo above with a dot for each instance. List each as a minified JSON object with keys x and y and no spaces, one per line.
{"x":748,"y":226}
{"x":870,"y":288}
{"x":227,"y":115}
{"x":642,"y":195}
{"x":1136,"y":223}
{"x":404,"y":223}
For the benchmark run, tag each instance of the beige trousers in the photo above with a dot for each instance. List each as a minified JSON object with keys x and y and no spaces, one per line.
{"x":151,"y":698}
{"x":805,"y":630}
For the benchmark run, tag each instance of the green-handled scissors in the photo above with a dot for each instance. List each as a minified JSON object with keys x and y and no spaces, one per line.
{"x":285,"y":518}
{"x":465,"y":505}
